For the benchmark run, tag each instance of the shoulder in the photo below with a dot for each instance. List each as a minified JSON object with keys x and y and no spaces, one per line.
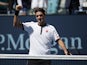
{"x":29,"y":23}
{"x":51,"y":26}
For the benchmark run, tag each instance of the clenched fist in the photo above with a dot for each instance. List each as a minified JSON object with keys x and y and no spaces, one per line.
{"x":18,"y":7}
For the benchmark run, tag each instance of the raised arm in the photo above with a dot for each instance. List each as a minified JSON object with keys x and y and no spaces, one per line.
{"x":16,"y":22}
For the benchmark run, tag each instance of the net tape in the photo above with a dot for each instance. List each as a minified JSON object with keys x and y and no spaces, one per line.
{"x":53,"y":57}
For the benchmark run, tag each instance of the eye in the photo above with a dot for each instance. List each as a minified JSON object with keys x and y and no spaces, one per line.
{"x":39,"y":15}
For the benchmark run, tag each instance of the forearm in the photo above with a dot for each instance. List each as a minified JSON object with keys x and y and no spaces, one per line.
{"x":16,"y":21}
{"x":61,"y":43}
{"x":3,"y":3}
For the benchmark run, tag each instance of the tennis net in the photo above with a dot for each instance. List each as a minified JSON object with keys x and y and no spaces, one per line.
{"x":21,"y":59}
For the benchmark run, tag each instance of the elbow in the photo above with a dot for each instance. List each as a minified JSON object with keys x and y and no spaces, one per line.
{"x":14,"y":24}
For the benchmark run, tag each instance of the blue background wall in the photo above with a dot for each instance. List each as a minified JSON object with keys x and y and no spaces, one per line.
{"x":72,"y":30}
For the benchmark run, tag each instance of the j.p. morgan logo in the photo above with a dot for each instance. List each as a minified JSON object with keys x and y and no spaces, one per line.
{"x":9,"y":43}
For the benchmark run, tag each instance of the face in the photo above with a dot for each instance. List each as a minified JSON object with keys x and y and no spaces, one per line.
{"x":40,"y":17}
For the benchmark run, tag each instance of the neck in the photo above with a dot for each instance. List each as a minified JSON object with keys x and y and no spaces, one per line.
{"x":42,"y":24}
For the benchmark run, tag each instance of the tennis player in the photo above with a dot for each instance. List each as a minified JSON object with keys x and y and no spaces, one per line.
{"x":40,"y":34}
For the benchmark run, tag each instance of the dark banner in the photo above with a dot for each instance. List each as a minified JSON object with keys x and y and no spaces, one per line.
{"x":72,"y":30}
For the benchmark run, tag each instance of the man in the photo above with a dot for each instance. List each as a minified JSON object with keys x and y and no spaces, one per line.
{"x":41,"y":35}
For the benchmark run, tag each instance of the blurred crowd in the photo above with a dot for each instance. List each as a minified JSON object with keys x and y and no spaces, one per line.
{"x":51,"y":6}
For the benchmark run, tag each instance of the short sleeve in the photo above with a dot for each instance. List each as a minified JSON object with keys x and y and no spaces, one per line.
{"x":55,"y":34}
{"x":27,"y":26}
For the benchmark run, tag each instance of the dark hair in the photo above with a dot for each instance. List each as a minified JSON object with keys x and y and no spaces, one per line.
{"x":39,"y":9}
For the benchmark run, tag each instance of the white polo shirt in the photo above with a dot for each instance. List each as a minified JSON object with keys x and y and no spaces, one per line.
{"x":40,"y":38}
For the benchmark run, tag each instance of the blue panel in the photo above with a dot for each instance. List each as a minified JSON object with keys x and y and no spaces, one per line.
{"x":72,"y":30}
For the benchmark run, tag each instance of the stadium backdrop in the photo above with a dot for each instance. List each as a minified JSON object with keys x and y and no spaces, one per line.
{"x":72,"y":29}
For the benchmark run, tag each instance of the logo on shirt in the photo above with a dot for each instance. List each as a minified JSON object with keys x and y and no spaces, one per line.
{"x":46,"y":30}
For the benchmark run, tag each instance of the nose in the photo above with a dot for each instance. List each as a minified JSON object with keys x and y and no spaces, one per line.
{"x":39,"y":18}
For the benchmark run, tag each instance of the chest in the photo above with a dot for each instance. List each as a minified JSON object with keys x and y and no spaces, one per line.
{"x":42,"y":32}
